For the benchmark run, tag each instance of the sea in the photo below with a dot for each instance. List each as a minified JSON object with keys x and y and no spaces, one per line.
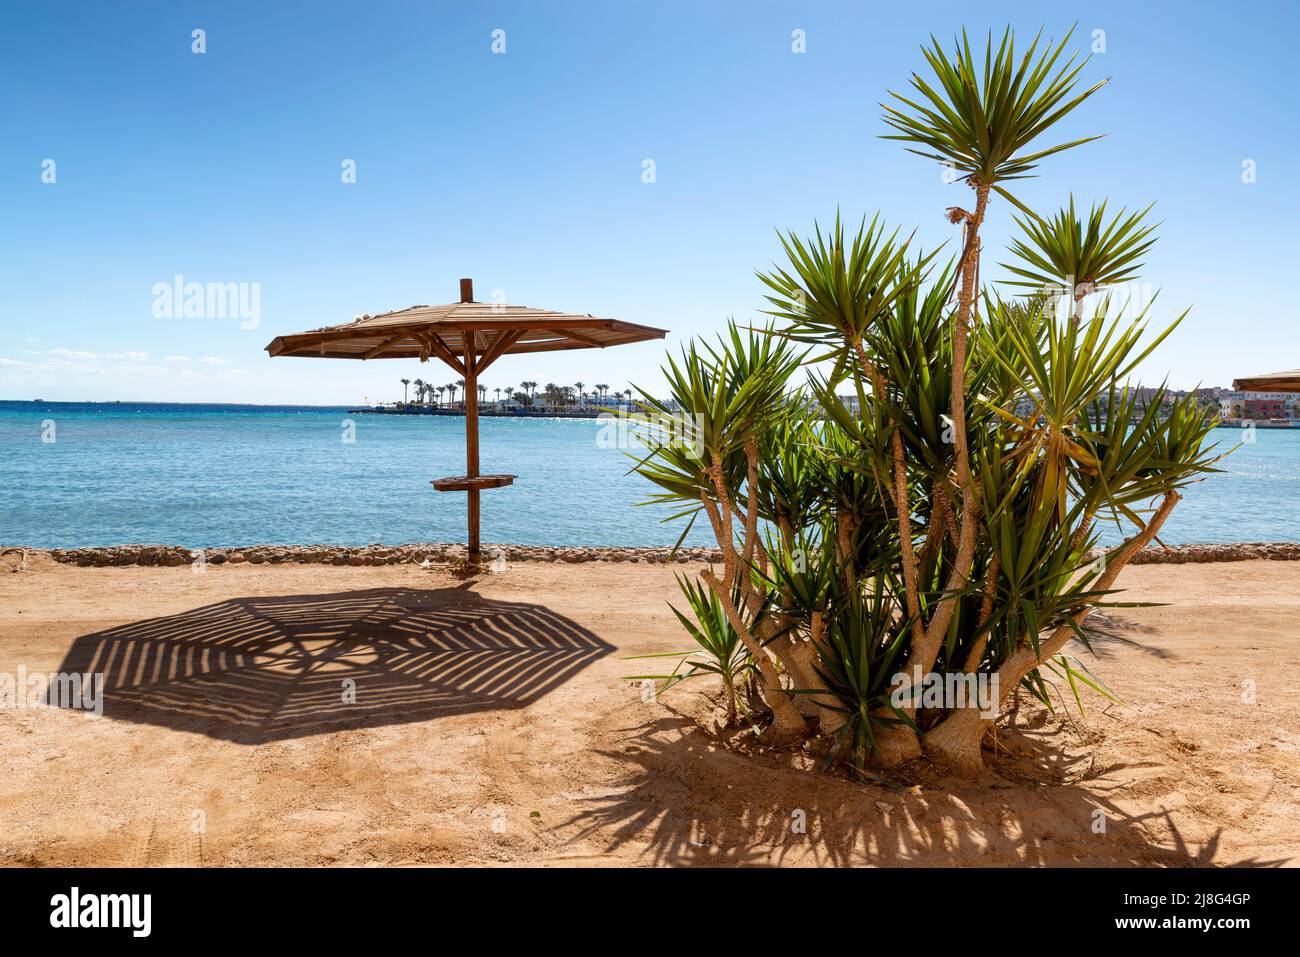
{"x":207,"y":476}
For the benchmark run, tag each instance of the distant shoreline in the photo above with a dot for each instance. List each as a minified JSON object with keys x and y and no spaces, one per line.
{"x":494,"y":413}
{"x":205,"y":405}
{"x":522,"y":413}
{"x":516,"y":413}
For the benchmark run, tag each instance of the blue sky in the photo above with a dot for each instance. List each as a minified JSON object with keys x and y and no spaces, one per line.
{"x":524,"y":171}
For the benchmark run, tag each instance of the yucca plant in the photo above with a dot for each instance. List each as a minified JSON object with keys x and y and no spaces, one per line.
{"x":1063,"y":254}
{"x":981,"y":121}
{"x":860,"y":642}
{"x":836,"y":291}
{"x":942,"y":518}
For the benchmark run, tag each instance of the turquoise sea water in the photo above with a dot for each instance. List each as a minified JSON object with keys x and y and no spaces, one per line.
{"x":210,"y":476}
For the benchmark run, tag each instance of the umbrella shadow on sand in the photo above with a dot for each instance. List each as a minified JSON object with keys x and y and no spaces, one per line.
{"x":259,"y":669}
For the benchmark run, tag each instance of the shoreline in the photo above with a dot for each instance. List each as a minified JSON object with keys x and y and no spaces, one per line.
{"x":443,"y":553}
{"x":501,"y":413}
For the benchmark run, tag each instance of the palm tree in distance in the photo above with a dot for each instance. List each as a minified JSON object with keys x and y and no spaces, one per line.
{"x":581,"y":394}
{"x":405,"y":384}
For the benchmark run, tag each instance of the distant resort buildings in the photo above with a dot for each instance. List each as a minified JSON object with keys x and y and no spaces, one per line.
{"x":525,"y":400}
{"x":1259,"y":407}
{"x":1235,"y":408}
{"x":1278,"y":410}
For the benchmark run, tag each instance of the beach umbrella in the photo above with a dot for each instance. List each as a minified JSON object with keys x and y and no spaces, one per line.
{"x":1274,"y":382}
{"x":468,"y":336}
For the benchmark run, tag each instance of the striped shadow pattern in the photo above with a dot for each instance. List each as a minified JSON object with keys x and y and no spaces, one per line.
{"x":259,"y":669}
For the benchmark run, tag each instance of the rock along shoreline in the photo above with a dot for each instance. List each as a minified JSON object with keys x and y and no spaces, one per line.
{"x":437,"y":553}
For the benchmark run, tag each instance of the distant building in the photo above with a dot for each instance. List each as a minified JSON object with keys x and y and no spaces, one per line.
{"x":1257,"y":406}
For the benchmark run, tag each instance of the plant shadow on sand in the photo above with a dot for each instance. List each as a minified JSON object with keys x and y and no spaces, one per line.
{"x":253,"y":670}
{"x":693,"y":800}
{"x":1107,"y":630}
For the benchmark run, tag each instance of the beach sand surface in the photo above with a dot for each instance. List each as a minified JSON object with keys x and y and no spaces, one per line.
{"x":319,"y":715}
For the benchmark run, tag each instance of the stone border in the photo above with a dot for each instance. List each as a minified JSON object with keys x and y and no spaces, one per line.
{"x":1235,"y":552}
{"x":175,"y":555}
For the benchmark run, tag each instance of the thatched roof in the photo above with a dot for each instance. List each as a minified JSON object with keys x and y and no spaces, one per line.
{"x":1274,"y":382}
{"x":421,"y":332}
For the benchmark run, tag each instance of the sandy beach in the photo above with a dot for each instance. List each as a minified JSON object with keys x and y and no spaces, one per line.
{"x":492,"y":725}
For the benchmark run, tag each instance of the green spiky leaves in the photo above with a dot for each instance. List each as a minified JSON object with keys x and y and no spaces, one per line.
{"x":1064,"y":252}
{"x":981,"y":121}
{"x":834,"y":291}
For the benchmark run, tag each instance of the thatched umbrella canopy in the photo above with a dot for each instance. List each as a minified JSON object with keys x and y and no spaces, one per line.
{"x":468,"y":336}
{"x":1274,"y":382}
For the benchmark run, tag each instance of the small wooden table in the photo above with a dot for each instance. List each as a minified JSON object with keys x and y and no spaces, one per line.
{"x":463,"y":483}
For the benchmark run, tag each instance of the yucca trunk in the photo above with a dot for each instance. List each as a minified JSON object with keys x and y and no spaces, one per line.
{"x":899,"y":743}
{"x":729,"y":700}
{"x":787,"y":722}
{"x":1081,"y":293}
{"x":800,"y":659}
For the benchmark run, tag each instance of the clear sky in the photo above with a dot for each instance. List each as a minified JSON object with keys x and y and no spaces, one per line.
{"x":524,"y":170}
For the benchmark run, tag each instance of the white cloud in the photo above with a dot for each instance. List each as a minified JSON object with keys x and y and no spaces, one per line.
{"x":83,"y":374}
{"x":73,"y":354}
{"x":84,"y":355}
{"x":127,"y":364}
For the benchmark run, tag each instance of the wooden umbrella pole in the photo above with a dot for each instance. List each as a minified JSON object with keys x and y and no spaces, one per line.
{"x":471,"y":438}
